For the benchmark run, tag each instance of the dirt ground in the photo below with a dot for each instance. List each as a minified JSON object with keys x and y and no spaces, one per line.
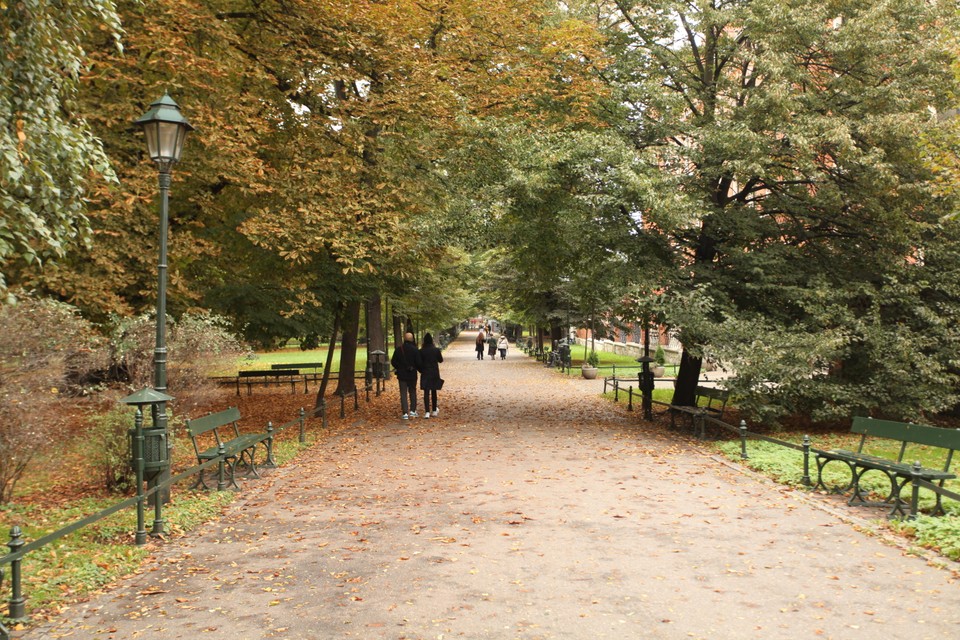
{"x":530,"y":508}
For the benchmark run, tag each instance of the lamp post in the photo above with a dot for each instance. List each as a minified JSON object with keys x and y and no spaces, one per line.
{"x":646,"y":375}
{"x":165,"y":129}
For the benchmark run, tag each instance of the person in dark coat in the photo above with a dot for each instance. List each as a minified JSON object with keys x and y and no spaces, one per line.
{"x":407,"y":362}
{"x":481,"y":344}
{"x":430,"y":381}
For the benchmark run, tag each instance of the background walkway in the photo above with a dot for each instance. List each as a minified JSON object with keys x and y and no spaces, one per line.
{"x":529,"y":509}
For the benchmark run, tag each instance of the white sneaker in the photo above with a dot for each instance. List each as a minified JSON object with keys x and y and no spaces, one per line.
{"x":426,"y":415}
{"x":413,"y":414}
{"x":436,"y":412}
{"x":405,"y":417}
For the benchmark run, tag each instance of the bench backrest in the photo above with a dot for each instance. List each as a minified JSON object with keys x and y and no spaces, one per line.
{"x":276,"y":373}
{"x":212,"y":422}
{"x":301,"y":365}
{"x":713,"y":395}
{"x":907,"y":432}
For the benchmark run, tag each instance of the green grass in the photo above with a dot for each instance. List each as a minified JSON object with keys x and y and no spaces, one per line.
{"x":100,"y":553}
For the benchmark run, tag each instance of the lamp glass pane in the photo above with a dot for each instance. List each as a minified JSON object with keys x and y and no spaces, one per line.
{"x":181,"y":137}
{"x":168,"y":137}
{"x":153,"y":144}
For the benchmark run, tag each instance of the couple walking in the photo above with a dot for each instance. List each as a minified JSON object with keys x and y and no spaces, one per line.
{"x":408,"y":361}
{"x":501,"y":345}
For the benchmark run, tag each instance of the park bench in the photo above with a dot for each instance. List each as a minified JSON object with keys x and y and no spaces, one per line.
{"x":899,"y":472}
{"x":235,"y":447}
{"x":708,"y":401}
{"x":301,"y":366}
{"x":268,"y":376}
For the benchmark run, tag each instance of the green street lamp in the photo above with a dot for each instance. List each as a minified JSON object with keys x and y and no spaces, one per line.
{"x":165,"y":129}
{"x":646,"y":375}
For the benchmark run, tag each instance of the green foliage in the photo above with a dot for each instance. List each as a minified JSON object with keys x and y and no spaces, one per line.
{"x":659,"y":357}
{"x":941,"y":533}
{"x":47,"y":153}
{"x":593,"y":359}
{"x":800,"y":206}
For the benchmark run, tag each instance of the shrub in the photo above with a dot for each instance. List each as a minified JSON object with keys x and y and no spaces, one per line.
{"x":593,"y":359}
{"x":196,"y":343}
{"x":38,"y":337}
{"x":107,"y":447}
{"x":659,"y":357}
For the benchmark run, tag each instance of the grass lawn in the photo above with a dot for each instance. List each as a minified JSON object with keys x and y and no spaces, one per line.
{"x":263,"y":360}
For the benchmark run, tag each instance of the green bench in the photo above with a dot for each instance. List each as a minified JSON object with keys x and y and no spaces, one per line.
{"x":316,"y":366}
{"x":221,"y":436}
{"x":709,"y":401}
{"x":899,"y":472}
{"x":268,"y":376}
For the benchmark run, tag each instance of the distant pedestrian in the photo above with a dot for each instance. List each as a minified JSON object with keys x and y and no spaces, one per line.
{"x":407,"y":362}
{"x":430,"y":381}
{"x":502,"y":345}
{"x":492,"y":347}
{"x":481,"y":343}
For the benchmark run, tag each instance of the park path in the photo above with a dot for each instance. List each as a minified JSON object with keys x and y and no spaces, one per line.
{"x":530,"y":509}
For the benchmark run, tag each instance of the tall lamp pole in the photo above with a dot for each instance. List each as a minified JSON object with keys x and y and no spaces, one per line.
{"x":165,"y":129}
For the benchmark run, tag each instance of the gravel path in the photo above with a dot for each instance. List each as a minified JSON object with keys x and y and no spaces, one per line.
{"x":530,"y":508}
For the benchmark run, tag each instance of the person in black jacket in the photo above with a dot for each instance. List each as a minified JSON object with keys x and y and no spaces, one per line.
{"x":430,"y":381}
{"x":407,"y":362}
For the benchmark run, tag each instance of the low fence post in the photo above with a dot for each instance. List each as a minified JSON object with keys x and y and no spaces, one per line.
{"x":630,"y":398}
{"x":270,"y":461}
{"x":303,"y":416}
{"x":915,"y":494}
{"x":616,"y":388}
{"x":743,"y":440}
{"x":806,"y":461}
{"x":221,"y":481}
{"x":18,"y":609}
{"x":699,"y":426}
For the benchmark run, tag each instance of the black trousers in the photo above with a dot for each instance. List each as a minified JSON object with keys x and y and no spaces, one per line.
{"x":429,"y":395}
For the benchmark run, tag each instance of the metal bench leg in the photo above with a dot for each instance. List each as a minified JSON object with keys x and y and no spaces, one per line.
{"x":821,"y":465}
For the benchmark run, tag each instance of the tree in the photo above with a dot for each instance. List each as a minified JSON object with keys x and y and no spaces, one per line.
{"x":785,"y":135}
{"x":49,"y":156}
{"x":563,"y":213}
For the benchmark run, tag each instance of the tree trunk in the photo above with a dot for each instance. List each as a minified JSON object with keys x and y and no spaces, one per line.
{"x":688,"y":375}
{"x":376,"y":339}
{"x":348,"y":348}
{"x":397,"y":331}
{"x":321,"y":392}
